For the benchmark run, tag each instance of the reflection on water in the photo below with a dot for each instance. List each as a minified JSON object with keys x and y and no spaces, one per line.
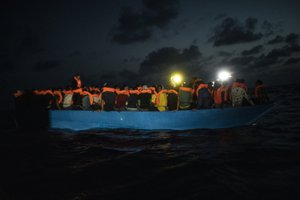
{"x":257,"y":162}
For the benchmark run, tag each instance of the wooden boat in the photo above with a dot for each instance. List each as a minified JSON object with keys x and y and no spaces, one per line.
{"x":78,"y":120}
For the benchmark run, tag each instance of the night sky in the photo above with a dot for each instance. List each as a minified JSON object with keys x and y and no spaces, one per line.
{"x":44,"y":43}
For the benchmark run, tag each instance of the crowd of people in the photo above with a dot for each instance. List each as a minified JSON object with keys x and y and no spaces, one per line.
{"x":196,"y":95}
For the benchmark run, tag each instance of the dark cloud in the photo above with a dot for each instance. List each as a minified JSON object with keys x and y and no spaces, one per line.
{"x":241,"y":61}
{"x":284,"y":51}
{"x":276,"y":40}
{"x":191,"y":53}
{"x":138,"y":26}
{"x":46,"y":65}
{"x":274,"y":57}
{"x":292,"y":61}
{"x":220,"y":16}
{"x":264,"y":61}
{"x":292,"y":38}
{"x":7,"y":66}
{"x":169,"y":58}
{"x":224,"y":53}
{"x":254,"y":50}
{"x":231,"y":31}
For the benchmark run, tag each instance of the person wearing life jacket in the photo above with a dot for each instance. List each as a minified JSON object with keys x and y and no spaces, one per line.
{"x":172,"y":99}
{"x":260,"y":92}
{"x":77,"y":99}
{"x":226,"y":94}
{"x":240,"y":83}
{"x":57,"y":99}
{"x":161,"y":101}
{"x":185,"y":97}
{"x":204,"y":99}
{"x":45,"y":98}
{"x":96,"y":100}
{"x":77,"y":81}
{"x":108,"y":98}
{"x":210,"y":87}
{"x":121,"y":98}
{"x":132,"y":101}
{"x":67,"y":102}
{"x":87,"y":99}
{"x":217,"y":95}
{"x":145,"y":98}
{"x":195,"y":81}
{"x":239,"y":96}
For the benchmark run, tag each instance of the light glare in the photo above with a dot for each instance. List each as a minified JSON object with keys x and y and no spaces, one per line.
{"x":224,"y":75}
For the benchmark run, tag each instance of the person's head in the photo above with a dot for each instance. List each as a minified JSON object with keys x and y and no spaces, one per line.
{"x":144,"y":87}
{"x":159,"y":88}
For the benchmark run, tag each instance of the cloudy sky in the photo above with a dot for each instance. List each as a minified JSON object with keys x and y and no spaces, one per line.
{"x":43,"y":43}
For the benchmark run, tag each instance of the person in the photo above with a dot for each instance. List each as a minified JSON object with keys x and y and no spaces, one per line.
{"x":225,"y":94}
{"x":67,"y":98}
{"x":96,"y":100}
{"x":132,"y":101}
{"x":204,"y":99}
{"x":77,"y":81}
{"x":145,"y":98}
{"x":108,"y":98}
{"x":57,"y":99}
{"x":161,"y":100}
{"x":87,"y":99}
{"x":261,"y":96}
{"x":172,"y":100}
{"x":239,"y":96}
{"x":77,"y":98}
{"x":217,"y":95}
{"x":121,"y":98}
{"x":185,"y":97}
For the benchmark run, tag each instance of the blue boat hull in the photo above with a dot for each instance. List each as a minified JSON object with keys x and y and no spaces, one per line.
{"x":171,"y":120}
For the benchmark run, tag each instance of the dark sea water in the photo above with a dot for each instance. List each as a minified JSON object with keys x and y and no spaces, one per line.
{"x":257,"y":162}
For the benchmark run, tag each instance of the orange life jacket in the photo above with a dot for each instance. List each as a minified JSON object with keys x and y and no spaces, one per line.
{"x":58,"y":93}
{"x":201,"y":86}
{"x":153,"y":90}
{"x":139,"y":88}
{"x":96,"y":89}
{"x":146,"y":91}
{"x":18,"y":93}
{"x":67,"y":91}
{"x":45,"y":92}
{"x":90,"y":96}
{"x":134,"y":92}
{"x":172,"y":91}
{"x":225,"y":89}
{"x":126,"y":92}
{"x":240,"y":85}
{"x":108,"y":89}
{"x":218,"y":96}
{"x":186,"y":89}
{"x":257,"y":88}
{"x":79,"y":90}
{"x":158,"y":94}
{"x":37,"y":92}
{"x":78,"y":81}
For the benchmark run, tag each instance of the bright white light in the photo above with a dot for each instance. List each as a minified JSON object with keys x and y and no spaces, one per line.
{"x":224,"y":76}
{"x":176,"y":78}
